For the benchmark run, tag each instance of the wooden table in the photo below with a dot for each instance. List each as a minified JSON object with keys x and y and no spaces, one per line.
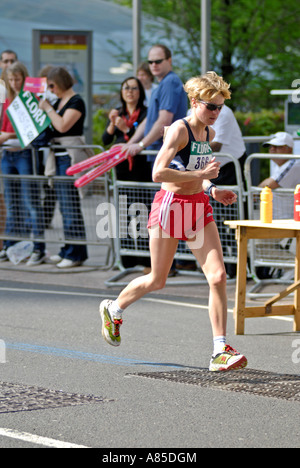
{"x":254,"y":229}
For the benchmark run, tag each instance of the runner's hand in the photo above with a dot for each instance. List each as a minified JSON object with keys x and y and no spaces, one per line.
{"x":211,"y":170}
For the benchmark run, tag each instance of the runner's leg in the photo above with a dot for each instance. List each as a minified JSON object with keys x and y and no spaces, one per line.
{"x":162,"y":251}
{"x":210,"y":258}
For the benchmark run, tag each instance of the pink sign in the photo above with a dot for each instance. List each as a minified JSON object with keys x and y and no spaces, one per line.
{"x":35,"y":85}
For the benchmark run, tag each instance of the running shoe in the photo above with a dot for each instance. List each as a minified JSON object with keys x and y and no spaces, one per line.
{"x":110,"y":324}
{"x":228,"y":359}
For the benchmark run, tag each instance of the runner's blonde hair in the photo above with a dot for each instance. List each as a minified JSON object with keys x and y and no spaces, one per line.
{"x":207,"y":87}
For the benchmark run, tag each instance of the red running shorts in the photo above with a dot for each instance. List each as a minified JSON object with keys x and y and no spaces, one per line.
{"x":180,"y":216}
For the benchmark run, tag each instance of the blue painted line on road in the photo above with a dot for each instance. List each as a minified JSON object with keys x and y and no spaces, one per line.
{"x":81,"y":355}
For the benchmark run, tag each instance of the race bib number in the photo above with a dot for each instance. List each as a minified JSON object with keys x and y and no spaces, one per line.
{"x":200,"y":156}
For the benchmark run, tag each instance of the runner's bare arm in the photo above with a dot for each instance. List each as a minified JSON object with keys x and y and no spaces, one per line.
{"x":176,"y":139}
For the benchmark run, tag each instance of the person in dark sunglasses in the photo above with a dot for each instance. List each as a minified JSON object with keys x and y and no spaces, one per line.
{"x":212,"y":107}
{"x":7,"y":58}
{"x":156,"y":62}
{"x":182,"y":210}
{"x":168,"y":103}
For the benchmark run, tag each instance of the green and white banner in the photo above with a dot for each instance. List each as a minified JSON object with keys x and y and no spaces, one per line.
{"x":27,"y":118}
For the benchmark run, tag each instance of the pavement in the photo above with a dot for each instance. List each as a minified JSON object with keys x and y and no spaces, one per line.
{"x":154,"y":391}
{"x":113,"y":279}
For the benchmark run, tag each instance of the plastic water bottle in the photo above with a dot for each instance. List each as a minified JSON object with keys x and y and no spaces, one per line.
{"x":266,"y":205}
{"x":297,"y":203}
{"x":19,"y":251}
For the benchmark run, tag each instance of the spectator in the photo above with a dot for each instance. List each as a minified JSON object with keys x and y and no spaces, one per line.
{"x":8,"y":57}
{"x":168,"y":103}
{"x":285,"y":173}
{"x":21,"y":196}
{"x":121,"y":125}
{"x":49,"y":95}
{"x":67,"y":117}
{"x":147,"y":79}
{"x":229,"y":140}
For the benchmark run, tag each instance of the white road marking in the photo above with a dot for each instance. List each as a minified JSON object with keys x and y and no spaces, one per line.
{"x":147,"y":299}
{"x":86,"y":294}
{"x":35,"y":439}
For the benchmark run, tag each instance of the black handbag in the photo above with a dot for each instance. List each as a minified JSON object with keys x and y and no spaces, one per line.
{"x":43,"y":139}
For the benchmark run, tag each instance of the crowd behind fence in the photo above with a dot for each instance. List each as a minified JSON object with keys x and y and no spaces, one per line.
{"x":101,"y":250}
{"x":116,"y":213}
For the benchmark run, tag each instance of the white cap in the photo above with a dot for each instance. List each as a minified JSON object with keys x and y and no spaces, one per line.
{"x":280,"y":139}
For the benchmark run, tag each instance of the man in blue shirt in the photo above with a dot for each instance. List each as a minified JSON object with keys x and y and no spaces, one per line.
{"x":168,"y":103}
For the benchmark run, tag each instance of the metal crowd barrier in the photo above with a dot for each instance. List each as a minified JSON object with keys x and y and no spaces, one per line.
{"x":44,"y":192}
{"x":133,"y":203}
{"x":278,"y":255}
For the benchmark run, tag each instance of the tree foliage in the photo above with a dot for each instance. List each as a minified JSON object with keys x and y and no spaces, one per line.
{"x":255,"y":45}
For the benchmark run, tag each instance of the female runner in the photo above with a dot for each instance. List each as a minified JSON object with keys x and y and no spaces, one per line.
{"x":181,"y":210}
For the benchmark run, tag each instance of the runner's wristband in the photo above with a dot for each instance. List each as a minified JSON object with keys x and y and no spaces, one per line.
{"x":209,"y":189}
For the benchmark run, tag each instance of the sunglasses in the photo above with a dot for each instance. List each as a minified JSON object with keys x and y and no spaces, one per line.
{"x":211,"y":107}
{"x":157,"y":62}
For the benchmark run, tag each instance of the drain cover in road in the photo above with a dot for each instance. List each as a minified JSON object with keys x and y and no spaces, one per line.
{"x":255,"y":382}
{"x":16,"y":397}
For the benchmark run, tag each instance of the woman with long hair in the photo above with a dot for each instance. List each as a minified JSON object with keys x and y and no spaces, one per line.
{"x":122,"y":124}
{"x":22,"y":196}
